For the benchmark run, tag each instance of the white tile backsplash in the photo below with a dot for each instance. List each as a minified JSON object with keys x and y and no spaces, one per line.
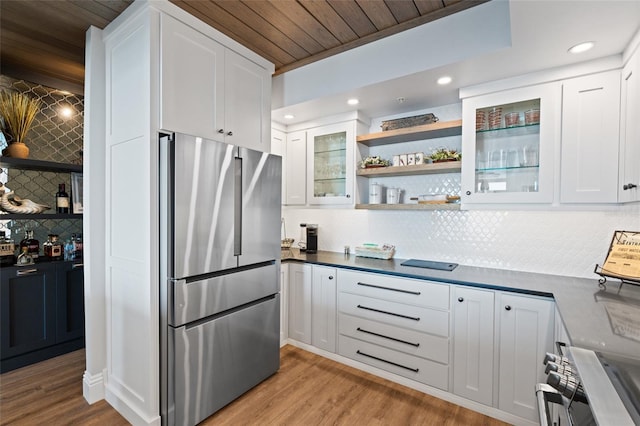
{"x":554,"y":242}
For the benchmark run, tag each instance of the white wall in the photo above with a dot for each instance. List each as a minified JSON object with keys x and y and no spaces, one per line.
{"x":555,"y":242}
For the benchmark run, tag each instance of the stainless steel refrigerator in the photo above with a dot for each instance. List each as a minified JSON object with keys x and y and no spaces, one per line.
{"x":220,"y":269}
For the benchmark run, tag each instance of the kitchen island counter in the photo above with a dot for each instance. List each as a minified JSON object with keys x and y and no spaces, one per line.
{"x":601,"y":320}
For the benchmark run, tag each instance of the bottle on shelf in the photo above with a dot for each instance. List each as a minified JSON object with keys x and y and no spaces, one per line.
{"x":62,"y":199}
{"x":77,"y":247}
{"x":7,"y":250}
{"x":24,"y":258}
{"x":53,"y":248}
{"x":32,"y":245}
{"x":68,"y":248}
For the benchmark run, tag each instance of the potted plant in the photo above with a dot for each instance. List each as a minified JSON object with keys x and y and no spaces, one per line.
{"x":444,"y":154}
{"x":18,"y":111}
{"x":374,"y":161}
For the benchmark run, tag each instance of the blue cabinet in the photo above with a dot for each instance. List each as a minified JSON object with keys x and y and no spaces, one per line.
{"x":41,"y":313}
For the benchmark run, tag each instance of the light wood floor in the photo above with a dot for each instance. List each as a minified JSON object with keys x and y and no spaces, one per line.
{"x":308,"y":390}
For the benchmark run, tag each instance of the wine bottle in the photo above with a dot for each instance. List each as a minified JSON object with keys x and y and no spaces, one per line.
{"x":62,"y":200}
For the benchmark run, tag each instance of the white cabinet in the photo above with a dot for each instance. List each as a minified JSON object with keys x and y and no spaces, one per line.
{"x":590,"y":138}
{"x":331,"y":164}
{"x":191,"y":80}
{"x":323,"y":308}
{"x":209,"y":90}
{"x":473,"y":343}
{"x":509,"y":140}
{"x":629,"y":176}
{"x":300,"y":302}
{"x":526,"y":334}
{"x":395,"y":324}
{"x":284,"y":302}
{"x":295,"y":165}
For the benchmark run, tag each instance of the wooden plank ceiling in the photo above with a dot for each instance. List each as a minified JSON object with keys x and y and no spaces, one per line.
{"x":43,"y":40}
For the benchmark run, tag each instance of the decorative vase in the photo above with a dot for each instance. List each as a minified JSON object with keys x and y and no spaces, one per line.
{"x":16,"y":150}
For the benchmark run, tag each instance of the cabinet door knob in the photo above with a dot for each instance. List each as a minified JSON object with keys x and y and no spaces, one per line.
{"x":468,"y":192}
{"x":348,"y":195}
{"x":629,"y":186}
{"x":507,"y":308}
{"x":220,"y":130}
{"x":330,"y":277}
{"x":460,"y":299}
{"x":229,"y":133}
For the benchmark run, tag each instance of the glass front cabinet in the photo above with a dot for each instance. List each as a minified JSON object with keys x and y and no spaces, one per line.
{"x":330,"y":160}
{"x":509,"y":141}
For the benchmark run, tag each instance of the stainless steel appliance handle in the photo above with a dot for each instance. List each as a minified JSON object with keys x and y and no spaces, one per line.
{"x":545,"y":394}
{"x":237,"y":210}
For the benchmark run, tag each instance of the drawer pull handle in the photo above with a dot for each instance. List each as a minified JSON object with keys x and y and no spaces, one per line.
{"x":27,"y":272}
{"x":77,"y":265}
{"x":387,"y":337}
{"x":415,"y":370}
{"x":417,"y":293}
{"x":388,"y":313}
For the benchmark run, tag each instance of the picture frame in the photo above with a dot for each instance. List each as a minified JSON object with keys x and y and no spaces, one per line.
{"x":76,"y":193}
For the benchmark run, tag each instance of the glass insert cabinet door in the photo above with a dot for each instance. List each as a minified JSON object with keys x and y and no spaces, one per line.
{"x":331,"y":169}
{"x":508,"y":146}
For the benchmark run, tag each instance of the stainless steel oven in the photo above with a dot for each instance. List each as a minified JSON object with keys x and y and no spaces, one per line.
{"x":586,"y":388}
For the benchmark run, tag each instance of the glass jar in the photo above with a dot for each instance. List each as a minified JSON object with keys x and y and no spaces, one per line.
{"x":24,"y":258}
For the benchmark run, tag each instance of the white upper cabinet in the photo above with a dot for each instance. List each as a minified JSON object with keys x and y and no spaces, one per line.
{"x":210,"y":91}
{"x":191,"y":81}
{"x":629,"y":176}
{"x":508,"y":143}
{"x":331,"y":164}
{"x":590,"y":138}
{"x":295,"y":165}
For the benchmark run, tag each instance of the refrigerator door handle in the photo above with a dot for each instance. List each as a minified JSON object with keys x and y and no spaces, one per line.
{"x":237,"y":210}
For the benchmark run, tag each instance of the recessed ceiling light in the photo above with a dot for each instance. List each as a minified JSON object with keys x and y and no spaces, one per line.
{"x":289,"y":116}
{"x":444,"y":80}
{"x":353,"y":101}
{"x":582,"y":47}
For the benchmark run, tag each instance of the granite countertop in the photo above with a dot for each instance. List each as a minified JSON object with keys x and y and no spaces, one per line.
{"x":587,"y":311}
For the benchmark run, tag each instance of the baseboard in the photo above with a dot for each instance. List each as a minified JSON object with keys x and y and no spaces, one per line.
{"x":429,"y":390}
{"x":128,"y":411}
{"x":93,"y":387}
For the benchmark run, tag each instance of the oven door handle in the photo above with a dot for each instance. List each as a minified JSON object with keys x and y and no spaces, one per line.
{"x":545,"y":394}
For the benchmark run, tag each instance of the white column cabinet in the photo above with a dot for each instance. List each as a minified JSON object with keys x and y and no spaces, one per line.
{"x":629,"y":177}
{"x":300,"y":302}
{"x":473,"y":343}
{"x":210,"y":91}
{"x":526,"y":334}
{"x":295,"y":161}
{"x":284,"y":302}
{"x":323,"y":308}
{"x":590,"y":138}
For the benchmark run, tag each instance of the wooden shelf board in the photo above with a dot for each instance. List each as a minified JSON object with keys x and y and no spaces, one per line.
{"x":428,"y":131}
{"x":23,"y":216}
{"x":445,"y":206}
{"x":421,"y":169}
{"x":47,"y":166}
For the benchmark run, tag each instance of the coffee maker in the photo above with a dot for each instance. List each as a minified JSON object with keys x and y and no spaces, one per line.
{"x":312,"y":238}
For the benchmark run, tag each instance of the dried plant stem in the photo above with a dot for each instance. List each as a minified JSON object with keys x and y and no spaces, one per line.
{"x":18,"y":111}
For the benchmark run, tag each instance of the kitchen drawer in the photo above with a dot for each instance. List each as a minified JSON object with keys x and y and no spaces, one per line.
{"x":418,"y":369}
{"x":417,"y":318}
{"x":403,"y":290}
{"x":401,"y":339}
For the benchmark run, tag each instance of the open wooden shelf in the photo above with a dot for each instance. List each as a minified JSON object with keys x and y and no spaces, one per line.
{"x":428,"y":131}
{"x":443,"y":206}
{"x":421,"y":169}
{"x":46,"y":166}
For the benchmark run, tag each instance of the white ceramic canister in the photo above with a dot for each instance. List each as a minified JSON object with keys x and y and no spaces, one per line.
{"x":375,"y":193}
{"x":393,"y":195}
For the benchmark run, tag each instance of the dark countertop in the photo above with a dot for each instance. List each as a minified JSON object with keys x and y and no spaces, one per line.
{"x":585,"y":309}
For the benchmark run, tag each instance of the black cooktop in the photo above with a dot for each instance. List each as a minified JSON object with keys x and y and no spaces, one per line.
{"x":430,"y":264}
